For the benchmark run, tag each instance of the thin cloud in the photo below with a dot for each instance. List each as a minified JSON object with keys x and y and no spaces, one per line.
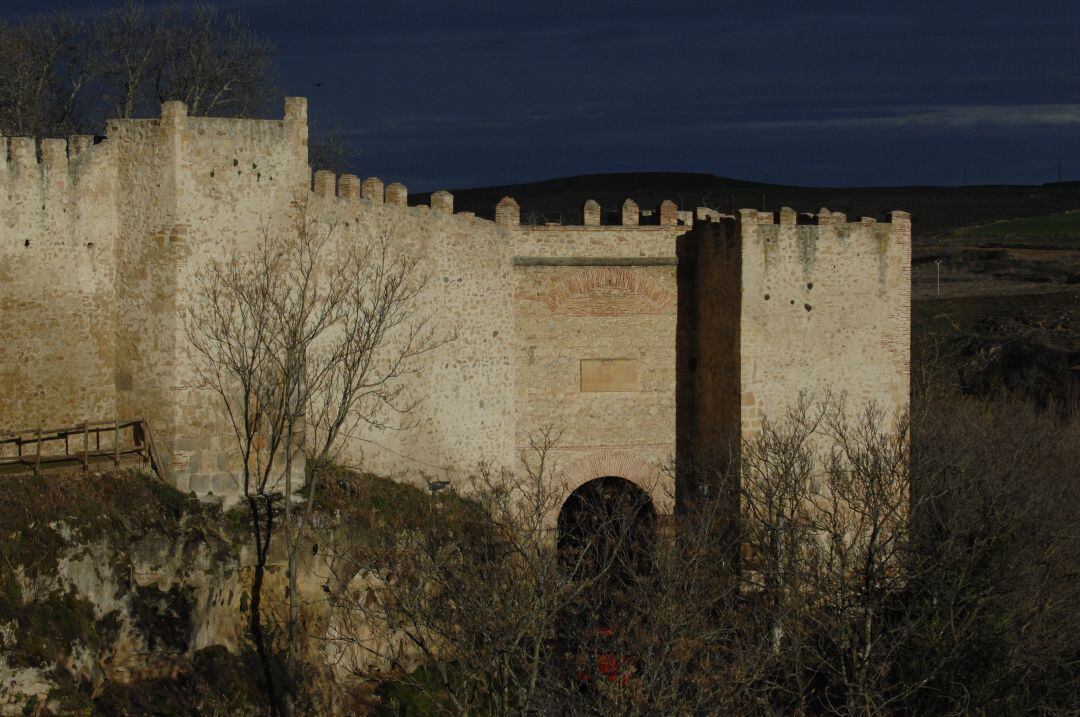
{"x":956,"y":117}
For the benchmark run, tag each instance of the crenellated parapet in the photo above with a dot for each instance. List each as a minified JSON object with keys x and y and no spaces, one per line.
{"x":787,"y":216}
{"x":629,"y":215}
{"x":48,"y":191}
{"x":349,"y":187}
{"x":27,"y":164}
{"x":347,"y":191}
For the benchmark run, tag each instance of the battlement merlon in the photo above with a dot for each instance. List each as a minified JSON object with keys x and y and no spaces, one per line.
{"x":442,"y":202}
{"x":372,"y":189}
{"x":23,"y":154}
{"x":349,"y":186}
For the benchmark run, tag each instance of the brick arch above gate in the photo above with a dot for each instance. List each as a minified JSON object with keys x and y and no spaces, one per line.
{"x":620,"y":464}
{"x":609,"y":291}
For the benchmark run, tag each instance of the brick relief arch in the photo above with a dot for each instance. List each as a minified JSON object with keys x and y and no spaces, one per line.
{"x":609,"y":291}
{"x":619,"y":464}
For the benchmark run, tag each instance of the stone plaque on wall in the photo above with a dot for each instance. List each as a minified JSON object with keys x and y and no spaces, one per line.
{"x":609,"y":375}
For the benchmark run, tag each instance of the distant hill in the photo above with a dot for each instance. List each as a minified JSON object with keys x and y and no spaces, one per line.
{"x":934,"y":209}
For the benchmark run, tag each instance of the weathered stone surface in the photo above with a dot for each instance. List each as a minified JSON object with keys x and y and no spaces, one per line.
{"x":397,"y":194}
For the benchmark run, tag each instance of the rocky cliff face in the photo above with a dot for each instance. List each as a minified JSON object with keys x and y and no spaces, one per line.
{"x":121,"y":596}
{"x":108,"y":581}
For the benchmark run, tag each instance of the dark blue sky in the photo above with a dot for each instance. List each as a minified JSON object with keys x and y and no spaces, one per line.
{"x":469,"y":92}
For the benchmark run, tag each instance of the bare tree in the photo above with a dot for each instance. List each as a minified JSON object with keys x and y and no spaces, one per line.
{"x":215,"y":64}
{"x":132,"y":39}
{"x":47,"y":69}
{"x":231,"y":329}
{"x":467,"y":610}
{"x":64,"y":76}
{"x":332,"y":150}
{"x":873,"y":581}
{"x":996,"y":554}
{"x":301,"y":338}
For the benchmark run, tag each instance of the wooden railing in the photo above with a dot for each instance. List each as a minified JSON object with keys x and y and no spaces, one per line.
{"x":50,"y":449}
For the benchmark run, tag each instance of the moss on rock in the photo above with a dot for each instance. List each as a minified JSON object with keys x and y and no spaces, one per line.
{"x":48,"y":629}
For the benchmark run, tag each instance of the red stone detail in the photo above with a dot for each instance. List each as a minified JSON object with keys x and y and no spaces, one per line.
{"x":609,"y":463}
{"x":609,"y":291}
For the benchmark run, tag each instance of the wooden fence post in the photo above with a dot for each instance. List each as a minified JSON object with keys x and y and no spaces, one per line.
{"x":37,"y":457}
{"x":86,"y":447}
{"x":116,"y":443}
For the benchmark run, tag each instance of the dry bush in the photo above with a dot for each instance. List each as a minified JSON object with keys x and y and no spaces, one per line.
{"x":887,"y":569}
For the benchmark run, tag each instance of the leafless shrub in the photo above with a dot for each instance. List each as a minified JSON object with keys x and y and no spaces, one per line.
{"x":874,"y":580}
{"x":474,"y":600}
{"x":302,"y":339}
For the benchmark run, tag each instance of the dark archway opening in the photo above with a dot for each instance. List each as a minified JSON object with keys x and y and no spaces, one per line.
{"x":606,"y":532}
{"x":606,"y":541}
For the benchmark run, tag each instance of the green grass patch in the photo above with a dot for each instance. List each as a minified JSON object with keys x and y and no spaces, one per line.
{"x":1049,"y":225}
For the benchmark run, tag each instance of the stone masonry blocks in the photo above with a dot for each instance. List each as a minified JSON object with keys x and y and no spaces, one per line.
{"x":669,"y":213}
{"x":100,"y":242}
{"x":296,"y":109}
{"x":349,"y":186}
{"x":507,"y":213}
{"x":324,"y":183}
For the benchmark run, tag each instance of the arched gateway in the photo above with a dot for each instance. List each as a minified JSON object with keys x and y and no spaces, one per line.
{"x":607,"y":525}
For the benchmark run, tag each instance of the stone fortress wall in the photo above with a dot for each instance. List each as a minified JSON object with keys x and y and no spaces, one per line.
{"x":595,"y":307}
{"x":778,"y":306}
{"x":591,"y":329}
{"x":467,"y":414}
{"x":60,"y":230}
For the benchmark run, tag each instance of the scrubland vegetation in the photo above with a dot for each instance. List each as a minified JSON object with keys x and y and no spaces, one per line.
{"x":946,"y":587}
